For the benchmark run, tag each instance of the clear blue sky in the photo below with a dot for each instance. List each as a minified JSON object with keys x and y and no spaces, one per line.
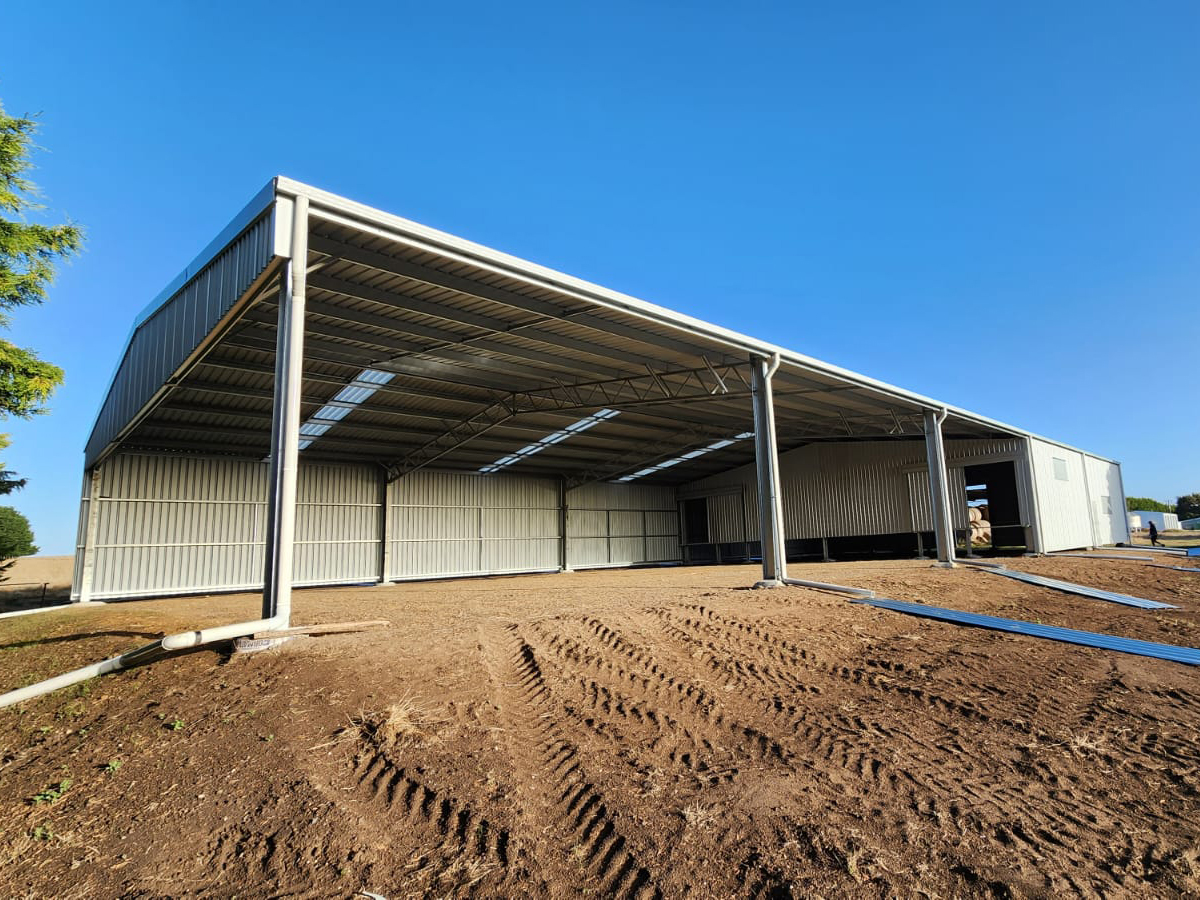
{"x":993,"y":204}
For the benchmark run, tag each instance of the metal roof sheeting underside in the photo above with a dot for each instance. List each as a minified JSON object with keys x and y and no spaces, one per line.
{"x":524,"y":358}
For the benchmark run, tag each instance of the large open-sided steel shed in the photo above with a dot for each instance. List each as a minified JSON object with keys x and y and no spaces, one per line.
{"x":333,"y":394}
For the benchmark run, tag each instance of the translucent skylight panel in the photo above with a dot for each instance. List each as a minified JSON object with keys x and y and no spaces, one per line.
{"x":332,"y":413}
{"x":691,"y":454}
{"x":374,"y":376}
{"x":353,"y":394}
{"x":356,"y":392}
{"x":553,"y":438}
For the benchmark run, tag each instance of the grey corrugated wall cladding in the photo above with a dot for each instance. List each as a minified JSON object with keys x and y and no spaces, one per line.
{"x":446,"y":523}
{"x":186,"y":524}
{"x":844,"y":489}
{"x":164,"y":341}
{"x":621,"y":525}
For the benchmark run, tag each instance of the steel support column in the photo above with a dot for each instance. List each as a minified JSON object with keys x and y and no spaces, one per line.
{"x":766,"y":452}
{"x":939,"y":487}
{"x":385,"y":535}
{"x":285,"y":424}
{"x":87,"y":572}
{"x":562,"y":524}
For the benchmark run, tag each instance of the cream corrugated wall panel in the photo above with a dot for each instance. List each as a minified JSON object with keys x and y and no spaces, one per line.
{"x":605,"y":495}
{"x":663,"y":523}
{"x":587,"y":523}
{"x":663,"y":549}
{"x":621,"y":525}
{"x":528,"y":523}
{"x":184,"y":524}
{"x":443,"y":524}
{"x":587,"y":552}
{"x":1063,"y":501}
{"x":520,"y":555}
{"x":627,"y":523}
{"x":337,"y":524}
{"x":726,"y":518}
{"x":846,"y":489}
{"x":921,"y":516}
{"x":1107,"y":500}
{"x":81,"y":537}
{"x":434,"y":524}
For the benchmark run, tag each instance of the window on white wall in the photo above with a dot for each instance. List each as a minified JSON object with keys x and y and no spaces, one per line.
{"x":1106,"y":506}
{"x":1060,"y":469}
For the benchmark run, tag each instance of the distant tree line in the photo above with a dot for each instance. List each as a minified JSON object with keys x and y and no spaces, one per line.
{"x":1186,"y":507}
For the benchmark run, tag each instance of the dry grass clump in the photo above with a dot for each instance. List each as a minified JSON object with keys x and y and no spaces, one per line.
{"x":404,"y":721}
{"x":697,"y":815}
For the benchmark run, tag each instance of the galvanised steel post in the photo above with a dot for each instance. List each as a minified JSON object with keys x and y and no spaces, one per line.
{"x":939,"y":486}
{"x":385,"y":535}
{"x":87,"y":573}
{"x":285,"y":425}
{"x":766,"y":453}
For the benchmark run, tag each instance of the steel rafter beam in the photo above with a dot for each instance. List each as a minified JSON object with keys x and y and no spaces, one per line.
{"x":341,"y":381}
{"x":449,"y":340}
{"x":681,"y":442}
{"x":652,"y":454}
{"x":435,"y":277}
{"x":494,"y":327}
{"x":703,"y":382}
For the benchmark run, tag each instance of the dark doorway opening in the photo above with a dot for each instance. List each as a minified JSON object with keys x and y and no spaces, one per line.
{"x":996,"y":526}
{"x":696,"y":547}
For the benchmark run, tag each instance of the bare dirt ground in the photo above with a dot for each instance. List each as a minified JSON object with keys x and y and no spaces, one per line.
{"x":652,"y":733}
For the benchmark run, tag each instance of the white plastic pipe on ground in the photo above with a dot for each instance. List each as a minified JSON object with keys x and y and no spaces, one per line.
{"x":89,"y":604}
{"x":161,"y":647}
{"x":823,"y":586}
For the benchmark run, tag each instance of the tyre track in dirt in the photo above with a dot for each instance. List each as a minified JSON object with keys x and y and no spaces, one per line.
{"x":741,"y":636}
{"x":641,"y":731}
{"x":559,"y":802}
{"x":944,"y":775}
{"x":449,"y":825}
{"x":572,"y":645}
{"x":1180,"y":748}
{"x":809,"y":751}
{"x":654,"y":686}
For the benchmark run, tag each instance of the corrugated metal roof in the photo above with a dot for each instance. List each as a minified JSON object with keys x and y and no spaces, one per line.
{"x":459,"y":327}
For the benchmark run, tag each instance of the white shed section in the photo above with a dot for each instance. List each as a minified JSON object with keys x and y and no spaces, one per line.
{"x":1163,"y":521}
{"x":1080,"y":498}
{"x":452,"y":410}
{"x":1107,"y":496}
